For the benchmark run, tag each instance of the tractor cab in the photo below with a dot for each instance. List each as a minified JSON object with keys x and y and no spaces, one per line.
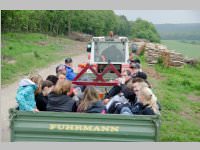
{"x":106,"y":50}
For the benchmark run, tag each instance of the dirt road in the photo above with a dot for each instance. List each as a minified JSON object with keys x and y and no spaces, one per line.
{"x":8,"y":93}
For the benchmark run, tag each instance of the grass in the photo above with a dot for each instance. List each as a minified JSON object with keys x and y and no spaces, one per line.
{"x":188,"y":48}
{"x":24,"y":52}
{"x":180,"y":115}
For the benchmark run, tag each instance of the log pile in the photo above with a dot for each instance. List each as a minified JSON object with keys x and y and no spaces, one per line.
{"x":157,"y":52}
{"x":80,"y":36}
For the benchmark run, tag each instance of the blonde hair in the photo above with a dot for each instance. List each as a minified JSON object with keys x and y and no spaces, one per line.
{"x":140,"y":84}
{"x":143,"y":85}
{"x":37,"y":79}
{"x":61,"y":73}
{"x":149,"y":98}
{"x":90,"y":96}
{"x":62,"y":87}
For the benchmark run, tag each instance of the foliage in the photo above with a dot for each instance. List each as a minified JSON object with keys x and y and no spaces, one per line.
{"x":62,"y":22}
{"x":145,"y":30}
{"x":59,"y":22}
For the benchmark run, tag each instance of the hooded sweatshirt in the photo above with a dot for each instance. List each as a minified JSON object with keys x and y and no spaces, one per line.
{"x":26,"y":95}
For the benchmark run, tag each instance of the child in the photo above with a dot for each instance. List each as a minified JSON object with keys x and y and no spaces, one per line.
{"x":58,"y":100}
{"x":91,"y":102}
{"x":26,"y":93}
{"x":149,"y":102}
{"x":70,"y":75}
{"x":61,"y":76}
{"x":60,"y":69}
{"x":41,"y":98}
{"x":52,"y":78}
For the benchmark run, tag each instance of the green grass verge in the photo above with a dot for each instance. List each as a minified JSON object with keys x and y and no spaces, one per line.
{"x":179,"y":94}
{"x":24,"y":52}
{"x":180,"y":116}
{"x":188,"y":48}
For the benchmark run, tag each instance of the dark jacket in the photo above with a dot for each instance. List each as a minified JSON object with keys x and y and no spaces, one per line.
{"x":41,"y":102}
{"x":97,"y":107}
{"x":113,"y":91}
{"x":60,"y":103}
{"x":136,"y":109}
{"x":128,"y":93}
{"x":140,"y":109}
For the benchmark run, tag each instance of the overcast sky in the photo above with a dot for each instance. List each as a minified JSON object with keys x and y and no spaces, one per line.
{"x":162,"y":16}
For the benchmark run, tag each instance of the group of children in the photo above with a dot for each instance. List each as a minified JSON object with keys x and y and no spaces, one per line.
{"x":133,"y":94}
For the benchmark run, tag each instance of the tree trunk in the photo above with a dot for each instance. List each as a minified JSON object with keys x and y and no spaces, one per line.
{"x":69,"y":22}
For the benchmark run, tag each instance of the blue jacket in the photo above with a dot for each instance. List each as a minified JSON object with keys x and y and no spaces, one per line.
{"x":25,"y":95}
{"x":70,"y":75}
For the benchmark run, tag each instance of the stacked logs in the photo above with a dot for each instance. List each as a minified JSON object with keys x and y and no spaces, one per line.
{"x":80,"y":36}
{"x":156,"y":52}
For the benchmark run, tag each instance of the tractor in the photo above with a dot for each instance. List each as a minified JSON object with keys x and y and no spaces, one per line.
{"x":108,"y":58}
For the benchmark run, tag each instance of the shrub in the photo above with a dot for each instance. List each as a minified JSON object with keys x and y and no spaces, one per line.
{"x":36,"y":55}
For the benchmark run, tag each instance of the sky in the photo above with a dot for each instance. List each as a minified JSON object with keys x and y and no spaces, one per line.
{"x":162,"y":16}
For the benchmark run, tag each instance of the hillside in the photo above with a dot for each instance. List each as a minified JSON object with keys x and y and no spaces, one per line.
{"x":188,"y":48}
{"x":179,"y":31}
{"x":24,"y":52}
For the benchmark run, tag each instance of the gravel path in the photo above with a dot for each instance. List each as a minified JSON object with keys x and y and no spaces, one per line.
{"x":8,"y":93}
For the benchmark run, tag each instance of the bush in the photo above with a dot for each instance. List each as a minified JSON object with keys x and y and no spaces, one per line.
{"x":160,"y":61}
{"x":36,"y":55}
{"x":145,"y":30}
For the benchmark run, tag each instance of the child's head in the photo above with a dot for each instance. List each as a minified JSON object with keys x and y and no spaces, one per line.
{"x":68,"y":61}
{"x":47,"y":87}
{"x":37,"y":79}
{"x":135,"y":67}
{"x":91,"y":93}
{"x":146,"y":96}
{"x":126,"y":74}
{"x":137,"y":84}
{"x":60,"y":69}
{"x":62,"y":87}
{"x":52,"y":78}
{"x":61,"y":77}
{"x":90,"y":96}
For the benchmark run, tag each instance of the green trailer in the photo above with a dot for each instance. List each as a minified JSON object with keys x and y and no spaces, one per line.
{"x":80,"y":127}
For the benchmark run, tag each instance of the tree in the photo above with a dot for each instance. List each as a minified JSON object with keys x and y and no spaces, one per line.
{"x":144,"y":29}
{"x":62,"y":22}
{"x":123,"y":26}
